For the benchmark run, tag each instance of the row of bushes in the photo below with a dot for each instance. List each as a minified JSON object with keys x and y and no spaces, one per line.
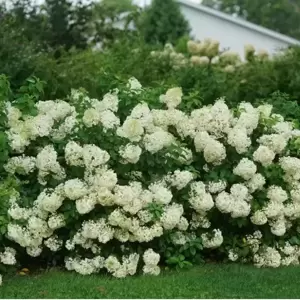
{"x":270,"y":80}
{"x":142,"y":179}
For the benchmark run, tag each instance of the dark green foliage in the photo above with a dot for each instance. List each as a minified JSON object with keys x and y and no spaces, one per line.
{"x":67,"y":24}
{"x":163,"y":22}
{"x":18,"y":53}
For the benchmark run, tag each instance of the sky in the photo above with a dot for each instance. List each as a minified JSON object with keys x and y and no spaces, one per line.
{"x":139,"y":2}
{"x":146,"y":2}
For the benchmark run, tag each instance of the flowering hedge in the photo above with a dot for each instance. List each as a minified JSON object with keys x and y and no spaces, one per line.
{"x":139,"y":180}
{"x":208,"y":52}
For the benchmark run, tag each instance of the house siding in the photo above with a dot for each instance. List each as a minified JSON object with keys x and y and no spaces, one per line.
{"x":229,"y":34}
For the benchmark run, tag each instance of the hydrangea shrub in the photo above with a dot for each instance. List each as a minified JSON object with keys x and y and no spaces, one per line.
{"x":138,"y":180}
{"x":208,"y":52}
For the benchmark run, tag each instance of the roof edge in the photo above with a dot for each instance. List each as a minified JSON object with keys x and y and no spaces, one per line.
{"x":240,"y":22}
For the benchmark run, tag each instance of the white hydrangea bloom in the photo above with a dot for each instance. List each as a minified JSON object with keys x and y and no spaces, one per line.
{"x":171,"y":216}
{"x":295,"y":194}
{"x":131,"y":129}
{"x":8,"y":256}
{"x":183,"y":224}
{"x":40,"y":125}
{"x":275,"y":142}
{"x":277,"y":194}
{"x":57,"y":109}
{"x":273,"y":209}
{"x":172,"y":98}
{"x":224,"y":202}
{"x":142,"y":113}
{"x":75,"y":189}
{"x":214,"y":152}
{"x":56,"y":221}
{"x":160,"y":193}
{"x":110,"y":102}
{"x":50,"y":200}
{"x":291,"y":166}
{"x":74,"y":154}
{"x":53,"y":243}
{"x":86,"y":204}
{"x":46,"y":162}
{"x":185,"y":127}
{"x":259,"y":218}
{"x":202,"y":118}
{"x":157,"y":141}
{"x":200,"y":60}
{"x":238,"y":138}
{"x":284,"y":128}
{"x":151,"y":258}
{"x":134,"y":85}
{"x":278,"y":227}
{"x":20,"y":164}
{"x":265,"y":110}
{"x":249,"y":117}
{"x":220,"y":118}
{"x":34,"y":251}
{"x":13,"y":114}
{"x":232,"y":255}
{"x":199,"y":199}
{"x":257,"y":182}
{"x":67,"y":127}
{"x":240,"y":209}
{"x":151,"y":270}
{"x":180,"y":179}
{"x":100,"y":178}
{"x":214,"y":241}
{"x":94,"y":157}
{"x":270,"y":257}
{"x":112,"y":264}
{"x":91,"y":117}
{"x":264,"y":155}
{"x":201,"y":140}
{"x":130,"y":153}
{"x":19,"y":213}
{"x":245,"y":169}
{"x":217,"y":187}
{"x":239,"y":192}
{"x":109,"y":120}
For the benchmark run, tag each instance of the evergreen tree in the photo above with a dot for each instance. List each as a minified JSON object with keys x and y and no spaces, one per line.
{"x":163,"y":22}
{"x":68,"y":23}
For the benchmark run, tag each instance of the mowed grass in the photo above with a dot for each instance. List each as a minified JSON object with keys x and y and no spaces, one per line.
{"x":208,"y":281}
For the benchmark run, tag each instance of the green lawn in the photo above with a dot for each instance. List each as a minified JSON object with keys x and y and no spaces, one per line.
{"x":209,"y":281}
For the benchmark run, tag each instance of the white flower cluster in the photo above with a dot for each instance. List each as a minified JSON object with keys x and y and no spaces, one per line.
{"x":213,"y":240}
{"x":208,"y":52}
{"x":151,"y":260}
{"x":102,"y":112}
{"x":8,"y":256}
{"x":272,"y":257}
{"x":236,"y":202}
{"x":120,"y":269}
{"x":56,"y":119}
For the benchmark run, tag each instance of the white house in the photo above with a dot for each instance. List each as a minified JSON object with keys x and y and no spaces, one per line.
{"x":232,"y":32}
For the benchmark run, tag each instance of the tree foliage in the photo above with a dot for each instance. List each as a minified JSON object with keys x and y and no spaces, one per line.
{"x":163,"y":22}
{"x":112,"y":19}
{"x":67,"y":23}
